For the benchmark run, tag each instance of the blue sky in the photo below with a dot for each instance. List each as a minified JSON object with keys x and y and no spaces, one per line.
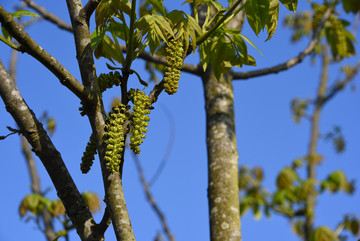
{"x":266,"y":137}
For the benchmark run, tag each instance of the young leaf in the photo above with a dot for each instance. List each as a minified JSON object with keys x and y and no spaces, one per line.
{"x":272,"y":21}
{"x":158,"y":5}
{"x":290,"y":4}
{"x":257,"y":12}
{"x":19,"y":13}
{"x":251,"y":43}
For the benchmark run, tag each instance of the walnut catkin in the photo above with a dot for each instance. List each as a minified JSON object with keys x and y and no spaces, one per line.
{"x":174,"y":62}
{"x":140,"y":119}
{"x":115,"y":137}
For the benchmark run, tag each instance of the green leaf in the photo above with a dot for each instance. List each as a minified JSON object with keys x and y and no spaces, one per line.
{"x":351,"y":5}
{"x":272,"y":21}
{"x":19,"y":13}
{"x":204,"y":51}
{"x":107,"y":49}
{"x":286,"y":178}
{"x":257,"y":12}
{"x":158,"y":5}
{"x":251,"y":43}
{"x":323,"y":233}
{"x":290,"y":4}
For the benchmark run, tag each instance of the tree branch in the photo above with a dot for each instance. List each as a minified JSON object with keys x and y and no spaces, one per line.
{"x":151,"y":199}
{"x":112,"y":181}
{"x":48,"y":16}
{"x":90,"y":7}
{"x":32,"y":48}
{"x":291,"y":62}
{"x":43,"y":147}
{"x":340,"y":85}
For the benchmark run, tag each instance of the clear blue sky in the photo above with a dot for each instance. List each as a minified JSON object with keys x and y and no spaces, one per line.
{"x":266,"y":137}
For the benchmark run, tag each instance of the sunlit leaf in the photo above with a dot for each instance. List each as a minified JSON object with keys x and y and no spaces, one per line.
{"x":19,"y":13}
{"x":257,"y":12}
{"x":290,"y":4}
{"x":272,"y":21}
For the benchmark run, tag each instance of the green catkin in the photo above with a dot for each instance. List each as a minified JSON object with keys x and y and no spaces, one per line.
{"x":174,"y":62}
{"x":115,"y":137}
{"x":106,"y":81}
{"x":140,"y":119}
{"x":340,"y":47}
{"x":88,"y":155}
{"x":319,"y":12}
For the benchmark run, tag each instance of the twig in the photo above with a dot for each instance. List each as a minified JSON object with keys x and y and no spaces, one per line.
{"x":35,"y":187}
{"x":291,"y":62}
{"x":32,"y":48}
{"x":340,"y":85}
{"x":43,"y":147}
{"x":168,"y":149}
{"x":151,"y":199}
{"x":104,"y":223}
{"x":90,"y":7}
{"x":48,"y":16}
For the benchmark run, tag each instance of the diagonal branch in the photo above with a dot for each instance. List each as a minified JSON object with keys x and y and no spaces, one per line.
{"x":48,"y":16}
{"x":34,"y":177}
{"x":340,"y":85}
{"x":291,"y":62}
{"x":151,"y":199}
{"x":43,"y":147}
{"x":32,"y":48}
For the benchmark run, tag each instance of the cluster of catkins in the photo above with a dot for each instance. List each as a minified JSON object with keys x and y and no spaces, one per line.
{"x":174,"y":62}
{"x":107,"y":81}
{"x":115,"y":137}
{"x":140,"y":119}
{"x":88,"y":155}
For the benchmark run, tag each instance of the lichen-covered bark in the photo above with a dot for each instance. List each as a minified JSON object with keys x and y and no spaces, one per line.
{"x":223,"y":191}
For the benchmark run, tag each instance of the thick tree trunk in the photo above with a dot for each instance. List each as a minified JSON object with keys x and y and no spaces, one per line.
{"x":223,"y":191}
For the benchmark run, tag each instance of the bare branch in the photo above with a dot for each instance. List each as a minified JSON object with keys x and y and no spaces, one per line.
{"x":35,"y":186}
{"x":48,"y":16}
{"x":43,"y":147}
{"x":340,"y":85}
{"x":151,"y":199}
{"x":90,"y":7}
{"x":32,"y":48}
{"x":168,"y":148}
{"x":291,"y":62}
{"x":104,"y":223}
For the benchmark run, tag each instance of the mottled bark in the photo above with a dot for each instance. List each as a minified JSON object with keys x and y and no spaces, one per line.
{"x":112,"y":181}
{"x":42,"y":146}
{"x":223,"y":191}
